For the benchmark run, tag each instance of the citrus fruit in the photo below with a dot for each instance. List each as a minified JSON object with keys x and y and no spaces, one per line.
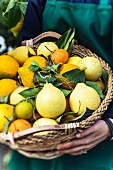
{"x":67,"y":67}
{"x":8,"y":66}
{"x":7,"y":86}
{"x":6,"y":111}
{"x":19,"y":125}
{"x":21,"y":53}
{"x":68,"y":109}
{"x":92,"y":68}
{"x":26,"y":76}
{"x":40,"y":60}
{"x":74,"y":60}
{"x":67,"y":118}
{"x":15,"y":30}
{"x":15,"y":97}
{"x":46,"y":48}
{"x":83,"y":97}
{"x":60,"y":56}
{"x":24,"y":110}
{"x":66,"y":83}
{"x":43,"y":122}
{"x":101,"y":84}
{"x":35,"y":116}
{"x":50,"y":101}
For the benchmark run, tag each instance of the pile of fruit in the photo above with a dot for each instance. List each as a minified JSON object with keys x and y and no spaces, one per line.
{"x":48,"y":86}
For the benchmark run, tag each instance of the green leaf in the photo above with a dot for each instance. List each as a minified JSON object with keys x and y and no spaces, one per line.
{"x":104,"y":78}
{"x":96,"y":87}
{"x":71,"y":38}
{"x":44,"y":77}
{"x":83,"y":116}
{"x":59,"y":119}
{"x":31,"y":92}
{"x":14,"y":16}
{"x":33,"y":103}
{"x":7,"y":124}
{"x":10,"y":5}
{"x":34,"y":66}
{"x":4,"y":99}
{"x":75,"y":76}
{"x":57,"y":83}
{"x":23,"y":7}
{"x":65,"y":92}
{"x":63,"y":39}
{"x":4,"y":4}
{"x":71,"y":47}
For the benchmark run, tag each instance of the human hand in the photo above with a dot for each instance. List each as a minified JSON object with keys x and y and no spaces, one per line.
{"x":85,"y":140}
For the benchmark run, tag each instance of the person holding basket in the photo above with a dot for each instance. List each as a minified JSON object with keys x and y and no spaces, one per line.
{"x":93,"y":22}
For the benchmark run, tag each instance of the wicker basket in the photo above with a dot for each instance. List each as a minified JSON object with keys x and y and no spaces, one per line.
{"x":44,"y":146}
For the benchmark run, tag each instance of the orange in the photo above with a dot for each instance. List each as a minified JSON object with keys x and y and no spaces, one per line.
{"x":101,"y":84}
{"x":67,"y":84}
{"x":40,"y":60}
{"x":68,"y":109}
{"x":26,"y":76}
{"x":60,"y":56}
{"x":7,"y":86}
{"x":35,"y":117}
{"x":67,"y":118}
{"x":19,"y":125}
{"x":8,"y":67}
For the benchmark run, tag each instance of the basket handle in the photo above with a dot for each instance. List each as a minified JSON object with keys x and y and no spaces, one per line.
{"x":32,"y":42}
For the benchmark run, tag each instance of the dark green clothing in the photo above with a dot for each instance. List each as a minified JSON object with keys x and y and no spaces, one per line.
{"x":99,"y":158}
{"x":93,"y":29}
{"x":92,"y":22}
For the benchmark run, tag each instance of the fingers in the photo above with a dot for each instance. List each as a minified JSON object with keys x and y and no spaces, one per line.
{"x":77,"y":142}
{"x":76,"y":146}
{"x":85,"y":140}
{"x":87,"y":132}
{"x":78,"y":150}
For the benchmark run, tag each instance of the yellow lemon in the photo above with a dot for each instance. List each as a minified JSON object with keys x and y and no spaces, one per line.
{"x":46,"y":48}
{"x":83,"y":97}
{"x":50,"y":101}
{"x":21,"y":53}
{"x":74,"y":60}
{"x":43,"y":122}
{"x":15,"y":97}
{"x":92,"y":68}
{"x":6,"y":111}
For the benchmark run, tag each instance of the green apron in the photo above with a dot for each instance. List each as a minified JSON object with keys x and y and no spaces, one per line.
{"x":96,"y":34}
{"x":92,"y":22}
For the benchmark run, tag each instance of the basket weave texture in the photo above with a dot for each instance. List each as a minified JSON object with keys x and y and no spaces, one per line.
{"x":44,"y":146}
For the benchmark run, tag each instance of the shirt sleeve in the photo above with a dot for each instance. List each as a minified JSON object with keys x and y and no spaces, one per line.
{"x":32,"y":25}
{"x":109,"y":112}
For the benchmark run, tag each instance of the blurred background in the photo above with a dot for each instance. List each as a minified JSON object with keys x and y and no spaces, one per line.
{"x":11,"y":19}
